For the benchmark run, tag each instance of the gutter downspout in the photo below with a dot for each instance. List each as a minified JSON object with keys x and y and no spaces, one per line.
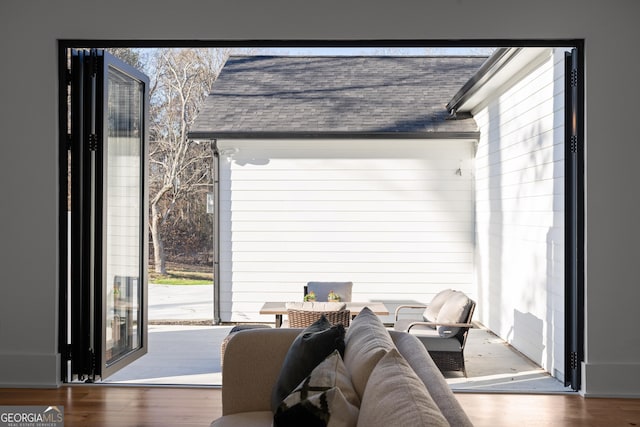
{"x":216,"y":232}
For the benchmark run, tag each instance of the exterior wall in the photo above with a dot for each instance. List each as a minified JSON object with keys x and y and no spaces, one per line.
{"x":520,"y":214}
{"x":392,"y":216}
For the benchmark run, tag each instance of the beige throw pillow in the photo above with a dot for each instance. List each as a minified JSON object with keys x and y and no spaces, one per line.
{"x":395,"y":396}
{"x":366,"y":341}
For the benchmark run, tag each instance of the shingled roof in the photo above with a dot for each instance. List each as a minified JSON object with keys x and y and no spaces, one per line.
{"x":337,"y":96}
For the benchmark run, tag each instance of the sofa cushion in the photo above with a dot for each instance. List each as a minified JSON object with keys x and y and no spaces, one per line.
{"x":395,"y":396}
{"x":454,"y":310}
{"x":367,"y":340}
{"x":430,"y":314}
{"x":326,"y":397}
{"x":307,"y":350}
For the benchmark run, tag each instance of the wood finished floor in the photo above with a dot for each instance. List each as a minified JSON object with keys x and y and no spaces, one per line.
{"x":98,"y":406}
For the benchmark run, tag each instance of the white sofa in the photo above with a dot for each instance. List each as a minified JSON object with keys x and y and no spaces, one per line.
{"x":395,"y":381}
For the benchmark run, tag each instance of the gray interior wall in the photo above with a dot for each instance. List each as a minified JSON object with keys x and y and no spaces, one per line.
{"x":28,"y":119}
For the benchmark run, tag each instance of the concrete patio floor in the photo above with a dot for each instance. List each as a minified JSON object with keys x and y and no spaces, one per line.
{"x":189,"y":354}
{"x":495,"y":366}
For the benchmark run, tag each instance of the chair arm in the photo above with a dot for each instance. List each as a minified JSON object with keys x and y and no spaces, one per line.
{"x":434,"y":324}
{"x":400,"y":307}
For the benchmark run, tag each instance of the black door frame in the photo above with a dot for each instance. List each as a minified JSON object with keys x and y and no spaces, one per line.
{"x":574,"y":218}
{"x":574,"y":255}
{"x":82,"y":305}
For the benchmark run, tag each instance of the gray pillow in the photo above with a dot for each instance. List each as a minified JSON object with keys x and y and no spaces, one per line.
{"x":306,"y":352}
{"x":367,"y":342}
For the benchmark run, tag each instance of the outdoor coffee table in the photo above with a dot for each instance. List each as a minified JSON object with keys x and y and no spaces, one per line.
{"x":278,"y":308}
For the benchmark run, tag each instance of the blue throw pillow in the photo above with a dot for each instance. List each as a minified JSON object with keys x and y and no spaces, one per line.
{"x":307,"y":350}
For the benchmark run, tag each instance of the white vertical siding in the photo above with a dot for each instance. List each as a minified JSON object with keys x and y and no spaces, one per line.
{"x":392,"y":216}
{"x":520,"y":214}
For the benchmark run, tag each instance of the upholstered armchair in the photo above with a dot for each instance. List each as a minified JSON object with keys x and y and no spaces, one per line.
{"x":443,"y":328}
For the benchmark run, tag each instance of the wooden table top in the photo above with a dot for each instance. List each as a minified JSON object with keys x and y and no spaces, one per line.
{"x":279,"y":307}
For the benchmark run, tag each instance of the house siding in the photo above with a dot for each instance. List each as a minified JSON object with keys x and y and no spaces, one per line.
{"x":520,"y":214}
{"x":392,"y":216}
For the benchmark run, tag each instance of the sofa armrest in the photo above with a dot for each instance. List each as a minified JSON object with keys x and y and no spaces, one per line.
{"x":252,"y":362}
{"x":405,"y":306}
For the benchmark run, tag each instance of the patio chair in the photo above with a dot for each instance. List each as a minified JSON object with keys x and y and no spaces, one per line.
{"x":443,"y":329}
{"x":322,"y":289}
{"x":304,"y":318}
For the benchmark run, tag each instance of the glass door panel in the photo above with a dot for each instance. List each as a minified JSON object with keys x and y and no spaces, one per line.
{"x":123,"y":215}
{"x":109,"y":215}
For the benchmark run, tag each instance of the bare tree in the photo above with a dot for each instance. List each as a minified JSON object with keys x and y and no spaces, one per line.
{"x":180,"y":81}
{"x":129,"y":55}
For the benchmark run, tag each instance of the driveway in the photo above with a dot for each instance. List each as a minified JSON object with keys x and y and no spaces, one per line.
{"x":175,"y":302}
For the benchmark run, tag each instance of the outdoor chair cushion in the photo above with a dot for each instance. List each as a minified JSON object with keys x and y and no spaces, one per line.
{"x":454,"y":310}
{"x":430,"y":337}
{"x":422,"y":330}
{"x":431,"y":312}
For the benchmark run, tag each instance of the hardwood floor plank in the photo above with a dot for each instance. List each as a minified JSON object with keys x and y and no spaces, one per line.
{"x":507,"y":410}
{"x":107,"y":406}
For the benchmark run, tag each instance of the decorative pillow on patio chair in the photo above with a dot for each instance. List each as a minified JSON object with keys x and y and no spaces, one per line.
{"x":322,"y":289}
{"x":443,"y":328}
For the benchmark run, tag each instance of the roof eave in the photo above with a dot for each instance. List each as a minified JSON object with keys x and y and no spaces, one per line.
{"x":204,"y":135}
{"x":490,"y":68}
{"x":500,"y":71}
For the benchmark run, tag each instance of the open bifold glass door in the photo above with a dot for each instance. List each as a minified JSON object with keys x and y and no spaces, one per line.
{"x":109,"y":244}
